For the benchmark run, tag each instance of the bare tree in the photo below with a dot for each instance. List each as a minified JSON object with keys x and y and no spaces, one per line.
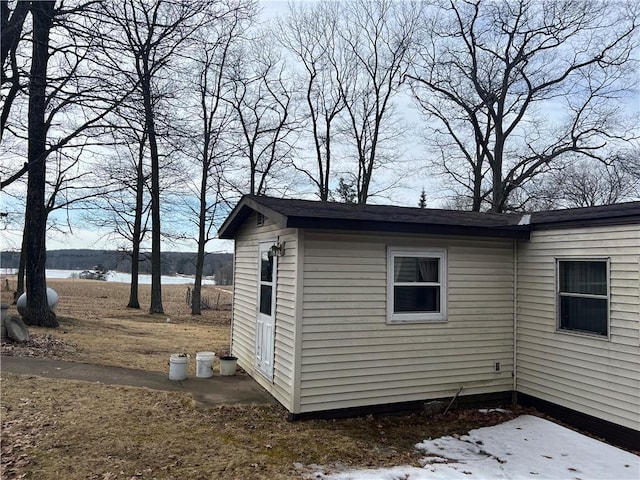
{"x":584,"y":183}
{"x":60,"y":85}
{"x":309,"y":32}
{"x":211,"y":57}
{"x":37,"y":311}
{"x":629,"y":161}
{"x":265,"y":127}
{"x":492,"y":73}
{"x":139,"y":227}
{"x":377,"y":43}
{"x":125,"y":211}
{"x":153,"y":35}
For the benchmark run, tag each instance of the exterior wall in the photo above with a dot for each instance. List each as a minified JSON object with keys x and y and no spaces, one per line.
{"x":351,"y":357}
{"x":595,"y":376}
{"x":243,"y":341}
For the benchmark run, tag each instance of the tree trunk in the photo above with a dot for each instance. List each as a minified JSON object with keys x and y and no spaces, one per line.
{"x":324,"y":192}
{"x":367,"y":171}
{"x":137,"y":233}
{"x":253,"y":167}
{"x":38,"y":312}
{"x":498,"y":199}
{"x":477,"y":187}
{"x":156,"y":261}
{"x":196,"y":299}
{"x":135,"y":267}
{"x":498,"y":192}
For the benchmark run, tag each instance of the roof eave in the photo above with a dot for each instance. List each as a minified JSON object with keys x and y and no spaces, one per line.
{"x":515,"y":231}
{"x":241,"y":212}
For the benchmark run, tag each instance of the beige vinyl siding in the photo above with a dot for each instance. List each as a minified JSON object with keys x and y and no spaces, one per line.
{"x":351,"y":357}
{"x":245,"y":308}
{"x":593,"y":375}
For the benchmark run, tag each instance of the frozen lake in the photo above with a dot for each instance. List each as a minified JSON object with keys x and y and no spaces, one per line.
{"x":143,"y":279}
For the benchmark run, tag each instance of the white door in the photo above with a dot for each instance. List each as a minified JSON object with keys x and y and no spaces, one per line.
{"x":265,"y":323}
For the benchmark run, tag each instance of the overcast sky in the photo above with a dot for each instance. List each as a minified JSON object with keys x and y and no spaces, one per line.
{"x":407,"y":194}
{"x":412,"y":156}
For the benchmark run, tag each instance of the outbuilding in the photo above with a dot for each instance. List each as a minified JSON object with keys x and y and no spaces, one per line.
{"x":344,"y":309}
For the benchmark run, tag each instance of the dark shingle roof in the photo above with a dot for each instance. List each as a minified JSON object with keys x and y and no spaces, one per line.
{"x":386,"y":218}
{"x":340,"y":216}
{"x":618,"y":213}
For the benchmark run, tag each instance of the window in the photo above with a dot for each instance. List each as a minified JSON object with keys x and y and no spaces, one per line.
{"x":266,"y":282}
{"x":583,"y":296}
{"x":416,"y":285}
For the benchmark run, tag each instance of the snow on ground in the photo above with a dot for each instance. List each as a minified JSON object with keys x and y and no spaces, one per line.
{"x":526,"y":447}
{"x":143,"y":279}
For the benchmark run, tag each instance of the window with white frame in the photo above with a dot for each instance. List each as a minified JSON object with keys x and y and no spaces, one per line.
{"x":583,"y":296}
{"x":416,"y":285}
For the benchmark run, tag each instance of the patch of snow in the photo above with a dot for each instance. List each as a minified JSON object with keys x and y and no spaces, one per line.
{"x":453,"y":448}
{"x":427,"y":460}
{"x":112,"y":276}
{"x":494,"y":410}
{"x":526,"y":447}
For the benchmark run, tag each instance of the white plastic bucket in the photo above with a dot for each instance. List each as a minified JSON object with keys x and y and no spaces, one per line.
{"x":204,"y":364}
{"x":228,"y":365}
{"x":178,"y":366}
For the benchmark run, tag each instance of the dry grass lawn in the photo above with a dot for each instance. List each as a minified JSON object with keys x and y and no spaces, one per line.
{"x":60,"y":429}
{"x":98,"y":328}
{"x":54,"y":429}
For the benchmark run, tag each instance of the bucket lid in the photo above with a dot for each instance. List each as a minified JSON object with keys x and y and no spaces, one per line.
{"x":179,"y":357}
{"x":205,"y":354}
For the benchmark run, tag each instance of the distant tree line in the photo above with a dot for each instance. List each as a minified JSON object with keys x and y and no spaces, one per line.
{"x":219,"y":265}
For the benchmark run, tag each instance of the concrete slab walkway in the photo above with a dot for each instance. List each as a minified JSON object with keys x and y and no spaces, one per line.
{"x":216,"y":390}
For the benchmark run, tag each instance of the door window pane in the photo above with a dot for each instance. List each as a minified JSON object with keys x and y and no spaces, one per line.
{"x":266,"y":267}
{"x":265,"y":299}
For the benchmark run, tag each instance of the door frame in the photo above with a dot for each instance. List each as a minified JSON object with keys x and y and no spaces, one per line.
{"x":265,"y":324}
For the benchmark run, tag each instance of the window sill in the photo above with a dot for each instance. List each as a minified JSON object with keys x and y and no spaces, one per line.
{"x":396,"y":321}
{"x":578,"y":333}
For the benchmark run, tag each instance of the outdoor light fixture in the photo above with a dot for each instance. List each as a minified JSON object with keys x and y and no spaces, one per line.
{"x":277,"y":249}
